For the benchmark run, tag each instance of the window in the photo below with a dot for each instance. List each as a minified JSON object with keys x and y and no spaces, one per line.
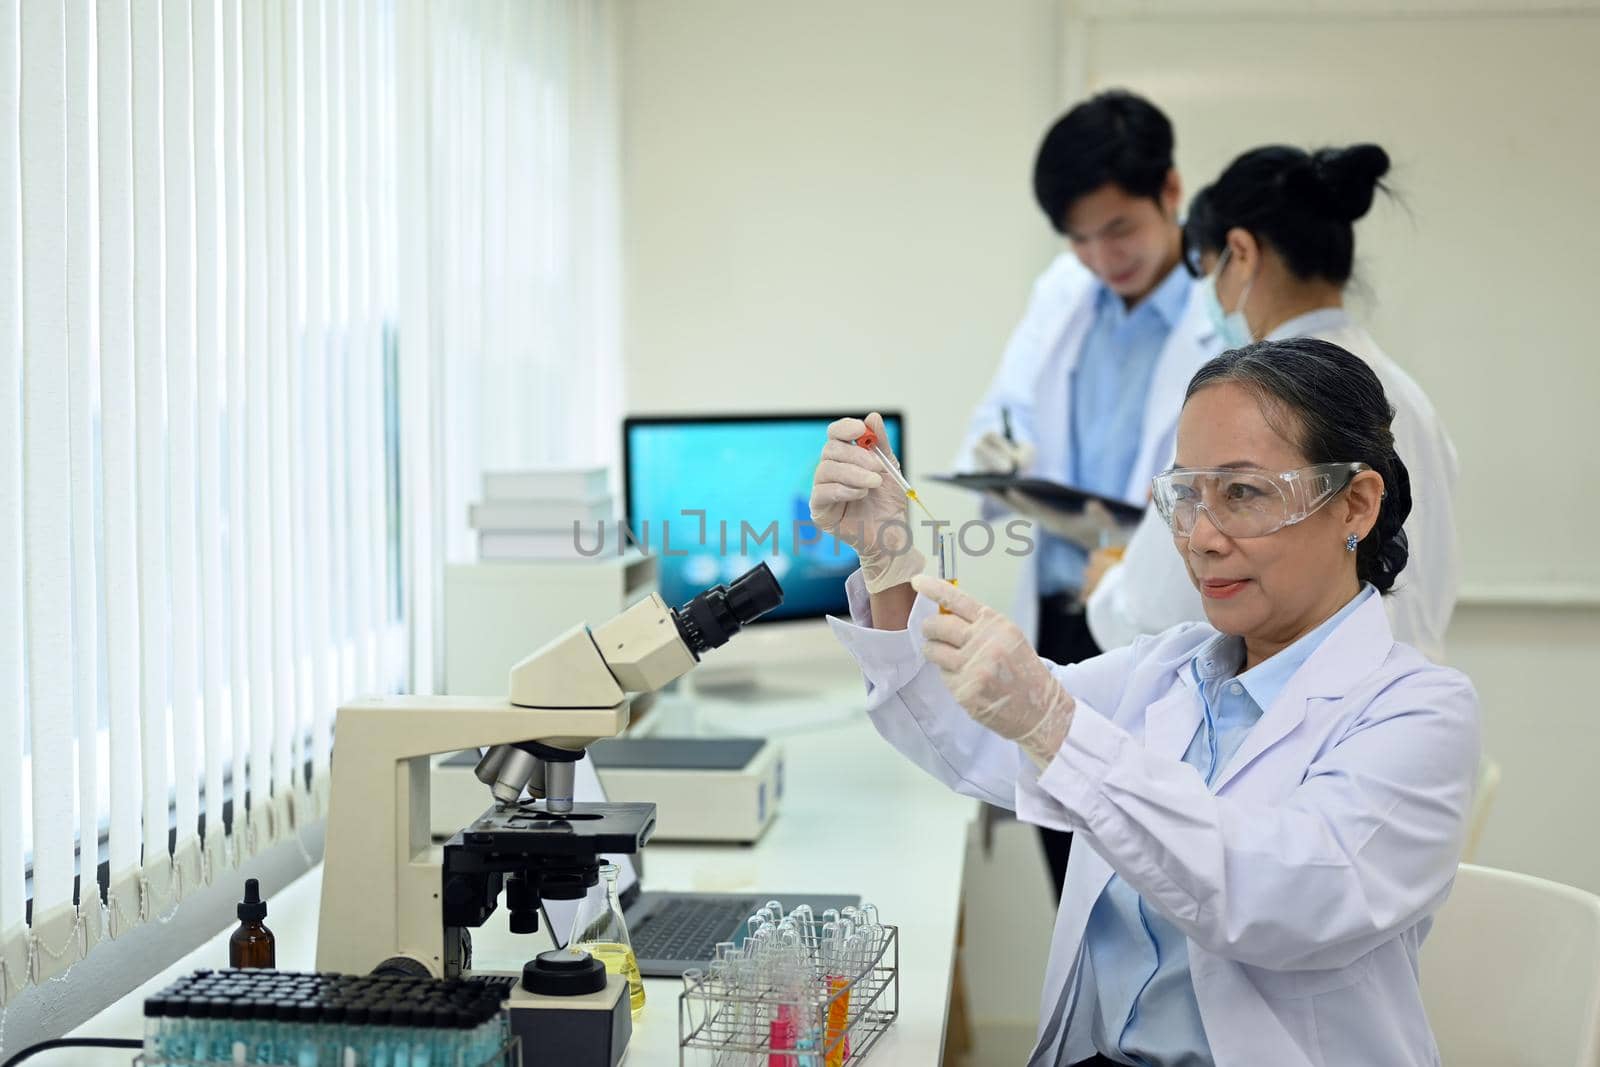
{"x":198,"y":450}
{"x":265,"y":308}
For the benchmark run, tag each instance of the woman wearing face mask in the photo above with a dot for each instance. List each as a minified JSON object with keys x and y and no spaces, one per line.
{"x":1273,"y":803}
{"x":1274,"y":242}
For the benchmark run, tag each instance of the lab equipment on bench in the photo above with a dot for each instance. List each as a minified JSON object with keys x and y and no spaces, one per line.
{"x":801,"y":990}
{"x":284,"y":1018}
{"x":704,"y":788}
{"x":674,"y":932}
{"x":602,"y":932}
{"x":395,"y":904}
{"x":252,"y":944}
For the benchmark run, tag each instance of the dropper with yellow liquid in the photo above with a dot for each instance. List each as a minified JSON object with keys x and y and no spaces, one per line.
{"x":869,"y":441}
{"x":946,"y":548}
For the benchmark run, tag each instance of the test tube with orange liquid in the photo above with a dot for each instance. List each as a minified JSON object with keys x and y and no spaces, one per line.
{"x":947,"y":564}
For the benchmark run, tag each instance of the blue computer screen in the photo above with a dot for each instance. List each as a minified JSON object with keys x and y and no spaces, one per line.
{"x":752,"y":478}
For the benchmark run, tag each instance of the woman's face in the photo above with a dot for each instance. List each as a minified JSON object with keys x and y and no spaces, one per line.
{"x":1277,"y":587}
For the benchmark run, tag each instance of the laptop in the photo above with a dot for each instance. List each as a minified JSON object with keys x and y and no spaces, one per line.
{"x":672,"y":932}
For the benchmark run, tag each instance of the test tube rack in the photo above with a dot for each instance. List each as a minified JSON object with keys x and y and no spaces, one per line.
{"x":725,"y":1023}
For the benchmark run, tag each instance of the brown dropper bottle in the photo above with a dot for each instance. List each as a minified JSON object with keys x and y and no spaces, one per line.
{"x":252,"y":945}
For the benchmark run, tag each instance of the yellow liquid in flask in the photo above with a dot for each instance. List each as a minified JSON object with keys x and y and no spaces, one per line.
{"x":619,"y":959}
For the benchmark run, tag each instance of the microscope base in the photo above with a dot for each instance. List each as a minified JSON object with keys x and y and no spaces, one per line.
{"x":590,"y":1030}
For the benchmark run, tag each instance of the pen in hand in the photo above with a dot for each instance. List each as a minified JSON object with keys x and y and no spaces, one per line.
{"x":1005,"y":430}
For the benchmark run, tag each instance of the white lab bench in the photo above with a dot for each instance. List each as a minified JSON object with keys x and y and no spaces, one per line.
{"x":855,"y":817}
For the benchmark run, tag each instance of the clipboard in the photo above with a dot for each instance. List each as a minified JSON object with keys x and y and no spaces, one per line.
{"x":1060,"y":497}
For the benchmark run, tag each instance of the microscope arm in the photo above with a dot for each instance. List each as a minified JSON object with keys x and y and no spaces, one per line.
{"x":380,"y":866}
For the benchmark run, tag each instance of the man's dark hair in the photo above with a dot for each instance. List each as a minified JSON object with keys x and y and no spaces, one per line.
{"x":1112,"y":138}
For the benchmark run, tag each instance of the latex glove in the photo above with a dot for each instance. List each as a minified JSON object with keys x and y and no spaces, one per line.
{"x":1088,"y":529}
{"x":992,"y":671}
{"x":994,"y":454}
{"x":855,"y":501}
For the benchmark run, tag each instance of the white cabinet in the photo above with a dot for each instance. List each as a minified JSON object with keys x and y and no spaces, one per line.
{"x":497,"y":613}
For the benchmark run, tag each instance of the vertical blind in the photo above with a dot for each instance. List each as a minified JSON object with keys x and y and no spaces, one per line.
{"x":277,"y":277}
{"x":509,"y":178}
{"x":194,"y":523}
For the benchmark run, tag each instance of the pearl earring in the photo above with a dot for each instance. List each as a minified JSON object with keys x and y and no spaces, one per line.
{"x":1351,"y":542}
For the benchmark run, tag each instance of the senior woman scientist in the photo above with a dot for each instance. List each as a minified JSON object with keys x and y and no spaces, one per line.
{"x":1274,"y":800}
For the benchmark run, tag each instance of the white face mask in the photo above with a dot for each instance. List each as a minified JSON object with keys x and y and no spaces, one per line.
{"x":1231,"y":326}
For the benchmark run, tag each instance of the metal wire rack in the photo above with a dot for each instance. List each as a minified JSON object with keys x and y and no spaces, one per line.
{"x":725,"y":1020}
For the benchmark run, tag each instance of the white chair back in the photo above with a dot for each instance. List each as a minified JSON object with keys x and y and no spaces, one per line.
{"x":1511,"y":972}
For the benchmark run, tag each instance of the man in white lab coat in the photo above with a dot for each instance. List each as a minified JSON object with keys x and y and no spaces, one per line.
{"x":1088,"y":391}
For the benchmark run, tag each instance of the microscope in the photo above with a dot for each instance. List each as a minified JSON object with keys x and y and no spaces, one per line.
{"x":393,"y":902}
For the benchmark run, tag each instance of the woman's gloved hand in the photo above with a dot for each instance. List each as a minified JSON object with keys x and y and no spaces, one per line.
{"x":853,"y":499}
{"x":993,"y":672}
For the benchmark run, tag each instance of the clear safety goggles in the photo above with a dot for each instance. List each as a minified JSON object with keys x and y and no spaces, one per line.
{"x":1247,"y":503}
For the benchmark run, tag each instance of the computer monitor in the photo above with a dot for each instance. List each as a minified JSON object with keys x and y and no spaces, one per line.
{"x":751,"y":476}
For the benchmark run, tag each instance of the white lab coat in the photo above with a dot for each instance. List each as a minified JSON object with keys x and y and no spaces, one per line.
{"x":1305,"y":878}
{"x":1034,"y":383}
{"x":1151,"y":590}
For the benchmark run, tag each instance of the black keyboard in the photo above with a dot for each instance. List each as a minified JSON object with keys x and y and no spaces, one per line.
{"x":688,"y":929}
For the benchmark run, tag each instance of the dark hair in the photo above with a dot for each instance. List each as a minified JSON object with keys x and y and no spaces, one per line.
{"x":1300,"y":203}
{"x":1112,"y":138}
{"x":1342,"y":415}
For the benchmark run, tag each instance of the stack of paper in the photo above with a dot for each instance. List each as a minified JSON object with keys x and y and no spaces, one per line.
{"x":545,"y":513}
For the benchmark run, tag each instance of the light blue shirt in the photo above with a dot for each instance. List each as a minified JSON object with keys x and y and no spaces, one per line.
{"x":1146,"y":1012}
{"x":1109,"y":386}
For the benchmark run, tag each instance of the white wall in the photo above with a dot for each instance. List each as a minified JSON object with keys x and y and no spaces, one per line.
{"x":1541,"y":722}
{"x":1479,"y":280}
{"x":827,"y":205}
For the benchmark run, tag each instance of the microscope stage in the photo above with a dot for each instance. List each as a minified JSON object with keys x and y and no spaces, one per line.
{"x":528,"y":829}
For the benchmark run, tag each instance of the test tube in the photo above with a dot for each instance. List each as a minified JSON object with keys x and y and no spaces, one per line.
{"x":694,"y":1008}
{"x":947,"y":564}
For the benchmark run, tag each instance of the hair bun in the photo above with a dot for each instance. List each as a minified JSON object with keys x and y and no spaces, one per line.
{"x":1394,"y":547}
{"x":1392,"y":556}
{"x":1349,"y":177}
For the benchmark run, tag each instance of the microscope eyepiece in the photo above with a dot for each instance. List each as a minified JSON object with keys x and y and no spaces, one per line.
{"x":754,"y":593}
{"x":710,"y":619}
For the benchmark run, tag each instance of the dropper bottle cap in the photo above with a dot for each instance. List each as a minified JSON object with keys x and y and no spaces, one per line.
{"x":252,"y":908}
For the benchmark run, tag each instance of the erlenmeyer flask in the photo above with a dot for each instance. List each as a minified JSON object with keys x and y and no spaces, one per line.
{"x":600,"y":930}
